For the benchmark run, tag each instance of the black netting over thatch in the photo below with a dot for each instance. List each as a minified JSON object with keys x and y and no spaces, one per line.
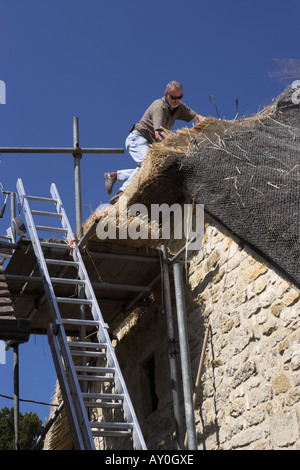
{"x":247,"y":175}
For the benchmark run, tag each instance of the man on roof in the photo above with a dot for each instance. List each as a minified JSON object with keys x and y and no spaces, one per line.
{"x":160,"y":115}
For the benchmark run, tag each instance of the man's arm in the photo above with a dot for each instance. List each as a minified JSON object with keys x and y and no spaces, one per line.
{"x":161,"y":135}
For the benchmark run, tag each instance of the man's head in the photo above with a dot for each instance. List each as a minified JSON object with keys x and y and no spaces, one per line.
{"x":173,"y":94}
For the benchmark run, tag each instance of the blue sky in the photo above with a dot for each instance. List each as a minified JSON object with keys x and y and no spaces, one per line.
{"x":105,"y":61}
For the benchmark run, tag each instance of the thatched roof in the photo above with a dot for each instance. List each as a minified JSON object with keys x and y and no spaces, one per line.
{"x":160,"y":179}
{"x":244,"y":171}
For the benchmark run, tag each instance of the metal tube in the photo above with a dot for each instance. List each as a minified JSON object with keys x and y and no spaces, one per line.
{"x":181,"y":251}
{"x":122,"y":256}
{"x":78,"y":203}
{"x":96,"y":285}
{"x":75,"y":133}
{"x":48,"y":425}
{"x":13,"y":215}
{"x":16,"y":397}
{"x":172,"y":355}
{"x":138,"y":296}
{"x":82,"y":334}
{"x":152,"y":283}
{"x":77,"y":156}
{"x":185,"y":358}
{"x":59,"y":150}
{"x":91,"y":230}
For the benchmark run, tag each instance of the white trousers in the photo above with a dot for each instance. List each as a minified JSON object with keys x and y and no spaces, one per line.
{"x":137,"y":146}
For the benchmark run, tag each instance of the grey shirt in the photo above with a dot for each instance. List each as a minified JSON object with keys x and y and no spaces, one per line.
{"x":160,"y":116}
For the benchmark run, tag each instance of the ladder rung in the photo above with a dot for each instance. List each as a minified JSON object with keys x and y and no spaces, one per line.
{"x":42,"y":199}
{"x":61,"y":280}
{"x":103,"y":396}
{"x":95,"y":378}
{"x":70,"y":300}
{"x":73,"y":321}
{"x":63,"y":246}
{"x":46,"y":214}
{"x":76,"y":352}
{"x":51,"y":229}
{"x":100,"y":370}
{"x":62,"y":262}
{"x":111,"y":425}
{"x":103,"y":404}
{"x":111,"y":433}
{"x":86,"y":344}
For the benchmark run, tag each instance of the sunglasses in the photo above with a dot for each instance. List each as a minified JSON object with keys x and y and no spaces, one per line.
{"x":175,"y":97}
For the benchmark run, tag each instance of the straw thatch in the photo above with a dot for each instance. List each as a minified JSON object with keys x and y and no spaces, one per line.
{"x":159,"y":179}
{"x":59,"y":436}
{"x":110,"y":218}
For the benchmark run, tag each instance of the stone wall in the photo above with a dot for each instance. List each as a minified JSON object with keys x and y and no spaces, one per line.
{"x":249,"y":396}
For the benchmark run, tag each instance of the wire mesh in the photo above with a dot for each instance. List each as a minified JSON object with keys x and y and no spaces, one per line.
{"x":247,"y":174}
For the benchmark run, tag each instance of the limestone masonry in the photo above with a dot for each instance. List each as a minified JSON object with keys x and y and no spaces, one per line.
{"x":249,"y":395}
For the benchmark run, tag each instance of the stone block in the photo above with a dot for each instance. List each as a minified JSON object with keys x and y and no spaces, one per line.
{"x":196,"y":278}
{"x":226,"y":243}
{"x":270,"y":327}
{"x":212,"y":260}
{"x":291,"y":298}
{"x":4,"y":293}
{"x":236,"y":408}
{"x":295,"y":356}
{"x":277,"y":308}
{"x":217,"y":278}
{"x":254,"y":272}
{"x":280,"y":384}
{"x":5,"y":301}
{"x":246,"y":437}
{"x":4,"y":309}
{"x":292,"y":396}
{"x":284,"y":429}
{"x":244,"y":373}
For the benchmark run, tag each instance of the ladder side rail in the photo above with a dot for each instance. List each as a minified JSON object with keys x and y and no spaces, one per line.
{"x":59,"y":366}
{"x":89,"y":291}
{"x":38,"y":252}
{"x":112,"y":361}
{"x":60,"y":210}
{"x":53,"y":304}
{"x":76,"y":393}
{"x":120,"y":386}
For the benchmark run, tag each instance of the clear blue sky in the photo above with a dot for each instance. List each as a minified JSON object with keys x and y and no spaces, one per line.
{"x":105,"y":62}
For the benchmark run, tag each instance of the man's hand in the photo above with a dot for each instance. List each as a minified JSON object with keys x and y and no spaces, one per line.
{"x":160,"y":135}
{"x":199,"y":118}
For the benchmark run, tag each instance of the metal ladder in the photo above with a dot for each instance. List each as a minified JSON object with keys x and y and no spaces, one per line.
{"x":76,"y":398}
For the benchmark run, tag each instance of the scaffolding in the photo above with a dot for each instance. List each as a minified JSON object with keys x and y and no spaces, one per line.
{"x":131,"y":274}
